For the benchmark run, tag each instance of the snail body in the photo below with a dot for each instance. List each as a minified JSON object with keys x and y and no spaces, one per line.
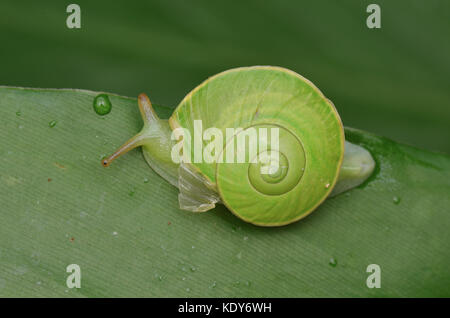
{"x":309,"y":161}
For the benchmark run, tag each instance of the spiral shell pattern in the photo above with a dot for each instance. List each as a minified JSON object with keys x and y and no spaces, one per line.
{"x":283,"y":183}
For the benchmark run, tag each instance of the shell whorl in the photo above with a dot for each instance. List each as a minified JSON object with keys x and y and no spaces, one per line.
{"x":308,"y":156}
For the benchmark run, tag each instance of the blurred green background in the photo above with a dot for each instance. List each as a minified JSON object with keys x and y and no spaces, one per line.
{"x":392,"y":81}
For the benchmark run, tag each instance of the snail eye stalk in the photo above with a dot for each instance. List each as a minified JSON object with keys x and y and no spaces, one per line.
{"x":149,"y":116}
{"x":134,"y":142}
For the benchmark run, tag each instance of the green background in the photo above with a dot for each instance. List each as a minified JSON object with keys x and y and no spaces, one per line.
{"x":392,"y":81}
{"x":59,"y":206}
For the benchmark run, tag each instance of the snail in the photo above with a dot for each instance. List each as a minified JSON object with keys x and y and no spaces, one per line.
{"x":311,"y":159}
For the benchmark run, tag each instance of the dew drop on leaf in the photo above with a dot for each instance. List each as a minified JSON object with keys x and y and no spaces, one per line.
{"x":102,"y":104}
{"x":333,"y":262}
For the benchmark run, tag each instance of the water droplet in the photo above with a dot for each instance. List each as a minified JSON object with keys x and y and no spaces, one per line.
{"x":245,"y":238}
{"x":213,"y":285}
{"x":188,"y":290}
{"x":239,"y":255}
{"x":236,"y":284}
{"x":183,"y":278}
{"x":52,"y":124}
{"x":38,"y":283}
{"x":146,"y":180}
{"x":193,"y":246}
{"x":193,"y":268}
{"x":83,"y":214}
{"x":20,"y":126}
{"x":333,"y":262}
{"x":396,"y":200}
{"x":18,"y":113}
{"x":248,"y":284}
{"x":102,"y":104}
{"x":114,"y":233}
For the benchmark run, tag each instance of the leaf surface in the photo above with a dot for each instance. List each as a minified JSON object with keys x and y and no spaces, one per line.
{"x":122,"y":225}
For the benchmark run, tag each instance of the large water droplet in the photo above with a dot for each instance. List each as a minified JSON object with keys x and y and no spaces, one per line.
{"x":102,"y":104}
{"x":18,"y":113}
{"x":52,"y":124}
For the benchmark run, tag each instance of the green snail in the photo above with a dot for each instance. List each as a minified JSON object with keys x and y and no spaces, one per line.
{"x":313,"y":159}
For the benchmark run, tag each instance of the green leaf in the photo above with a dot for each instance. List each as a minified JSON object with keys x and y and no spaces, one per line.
{"x":122,"y":224}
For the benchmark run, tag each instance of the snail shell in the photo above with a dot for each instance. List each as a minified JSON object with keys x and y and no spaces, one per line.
{"x":310,"y":150}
